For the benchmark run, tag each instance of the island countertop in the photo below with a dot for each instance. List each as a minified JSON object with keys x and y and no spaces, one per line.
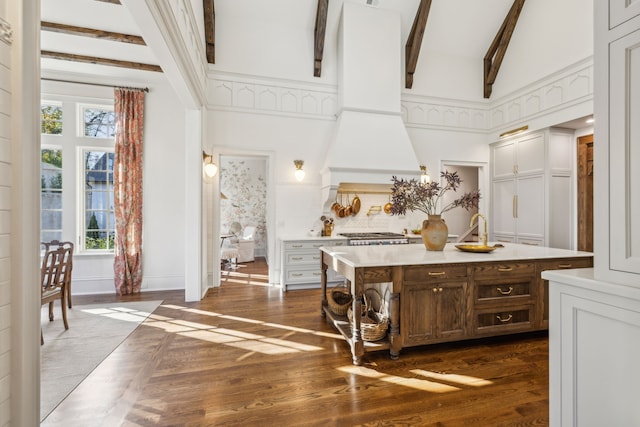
{"x":416,"y":254}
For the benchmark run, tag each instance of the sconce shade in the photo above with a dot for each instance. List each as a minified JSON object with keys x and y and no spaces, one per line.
{"x":424,"y":176}
{"x":299,"y":173}
{"x":210,"y":168}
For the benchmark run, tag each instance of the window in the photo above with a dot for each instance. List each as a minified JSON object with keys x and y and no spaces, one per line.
{"x":51,"y":194}
{"x":98,"y":121}
{"x":51,"y":119}
{"x":98,"y":222}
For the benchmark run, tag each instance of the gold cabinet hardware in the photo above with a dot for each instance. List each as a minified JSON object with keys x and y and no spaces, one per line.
{"x":529,"y":243}
{"x":514,"y":207}
{"x":504,"y":320}
{"x":316,"y":258}
{"x":296,"y":258}
{"x":505,"y":269}
{"x":296,"y":274}
{"x":437,"y":273}
{"x":317,"y":245}
{"x":439,"y":289}
{"x":564,"y":265}
{"x":505,"y":292}
{"x":435,"y":290}
{"x":296,"y":246}
{"x":374,"y":210}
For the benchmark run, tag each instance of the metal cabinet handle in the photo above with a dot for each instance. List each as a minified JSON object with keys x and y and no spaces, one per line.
{"x":296,"y":246}
{"x":316,"y":257}
{"x":296,"y":274}
{"x":505,"y":320}
{"x":505,"y":292}
{"x":435,"y":290}
{"x":505,"y":269}
{"x":317,"y":245}
{"x":296,"y":258}
{"x":529,"y":243}
{"x":439,"y":289}
{"x":565,"y":265}
{"x":515,"y":206}
{"x":437,"y":273}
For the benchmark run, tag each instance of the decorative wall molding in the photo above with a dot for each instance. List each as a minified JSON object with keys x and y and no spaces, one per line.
{"x":6,"y":32}
{"x":258,"y":95}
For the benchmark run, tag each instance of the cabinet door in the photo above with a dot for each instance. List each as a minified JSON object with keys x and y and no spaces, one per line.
{"x":418,"y":320}
{"x":530,"y":207}
{"x":624,"y":155}
{"x":451,"y":309}
{"x":530,"y":154}
{"x":503,"y":159}
{"x":503,"y":215}
{"x":622,"y":10}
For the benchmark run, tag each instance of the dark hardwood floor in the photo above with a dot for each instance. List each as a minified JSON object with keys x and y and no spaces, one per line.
{"x":250,"y":355}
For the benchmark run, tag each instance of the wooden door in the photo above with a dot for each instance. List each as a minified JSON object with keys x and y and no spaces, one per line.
{"x":451,"y":309}
{"x":585,"y":193}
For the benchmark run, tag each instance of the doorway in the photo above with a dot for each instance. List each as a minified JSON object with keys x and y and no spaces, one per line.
{"x":585,"y":193}
{"x":243,"y":215}
{"x":473,"y":176}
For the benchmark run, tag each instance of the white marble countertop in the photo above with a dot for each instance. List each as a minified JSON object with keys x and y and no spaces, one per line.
{"x":416,"y":254}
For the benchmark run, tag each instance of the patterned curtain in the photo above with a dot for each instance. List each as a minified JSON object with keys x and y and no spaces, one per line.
{"x":127,"y":190}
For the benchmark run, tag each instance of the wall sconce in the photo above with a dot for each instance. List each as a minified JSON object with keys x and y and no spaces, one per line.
{"x":424,"y":176}
{"x":210,"y":168}
{"x":299,"y":173}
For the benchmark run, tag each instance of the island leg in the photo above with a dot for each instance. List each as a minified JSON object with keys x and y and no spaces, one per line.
{"x":357,"y":344}
{"x":395,"y":340}
{"x":323,"y":284}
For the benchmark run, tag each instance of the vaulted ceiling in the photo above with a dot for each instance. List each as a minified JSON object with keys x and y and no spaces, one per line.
{"x":90,"y":38}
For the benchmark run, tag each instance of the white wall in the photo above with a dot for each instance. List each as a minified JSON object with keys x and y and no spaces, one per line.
{"x":164,"y":196}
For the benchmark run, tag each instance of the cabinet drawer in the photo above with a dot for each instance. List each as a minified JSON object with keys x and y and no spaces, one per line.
{"x":300,"y":257}
{"x":302,"y":276}
{"x":507,"y":319}
{"x":560,"y":264}
{"x":509,"y":269}
{"x":434,"y":272}
{"x":312,"y":244}
{"x":503,"y":290}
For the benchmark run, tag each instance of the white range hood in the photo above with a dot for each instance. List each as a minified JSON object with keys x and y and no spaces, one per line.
{"x":370,"y":143}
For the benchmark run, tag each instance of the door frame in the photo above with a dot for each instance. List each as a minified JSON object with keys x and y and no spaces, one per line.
{"x":582,"y":144}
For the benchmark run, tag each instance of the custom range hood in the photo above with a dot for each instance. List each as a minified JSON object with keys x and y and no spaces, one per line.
{"x":370,"y":143}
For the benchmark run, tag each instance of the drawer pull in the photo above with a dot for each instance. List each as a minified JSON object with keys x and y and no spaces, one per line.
{"x":505,"y":292}
{"x":296,"y":274}
{"x":564,"y":265}
{"x":296,"y":258}
{"x":316,"y":257}
{"x":296,"y":246}
{"x":437,"y":273}
{"x":530,"y":243}
{"x":317,"y":245}
{"x":505,"y":320}
{"x":505,"y":269}
{"x":504,"y":240}
{"x":315,"y":273}
{"x":435,"y":290}
{"x":439,"y":289}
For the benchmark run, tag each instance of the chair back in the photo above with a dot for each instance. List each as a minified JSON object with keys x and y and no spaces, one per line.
{"x":67,"y":257}
{"x":53,"y":271}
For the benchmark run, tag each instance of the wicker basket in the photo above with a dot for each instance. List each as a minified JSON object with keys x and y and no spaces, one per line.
{"x":373,"y":324}
{"x":339,"y":300}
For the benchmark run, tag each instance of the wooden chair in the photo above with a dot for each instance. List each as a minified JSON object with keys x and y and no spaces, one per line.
{"x":55,"y":244}
{"x":54,"y":270}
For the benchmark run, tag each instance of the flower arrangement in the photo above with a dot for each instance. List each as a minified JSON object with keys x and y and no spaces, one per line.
{"x":412,"y":195}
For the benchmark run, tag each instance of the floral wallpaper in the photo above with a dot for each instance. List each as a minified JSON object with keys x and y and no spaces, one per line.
{"x":243,"y":182}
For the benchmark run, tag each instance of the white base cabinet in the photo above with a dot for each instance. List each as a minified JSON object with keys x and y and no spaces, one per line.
{"x":531,"y":189}
{"x":594,"y":348}
{"x":300,"y":258}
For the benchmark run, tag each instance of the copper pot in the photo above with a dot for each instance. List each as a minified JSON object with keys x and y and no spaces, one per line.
{"x":355,"y":205}
{"x":388,"y":206}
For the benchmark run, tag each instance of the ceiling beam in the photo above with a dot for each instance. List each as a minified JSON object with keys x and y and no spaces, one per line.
{"x":495,"y":54}
{"x":90,"y":32}
{"x":99,"y":61}
{"x":210,"y":30}
{"x":319,"y":33}
{"x":414,"y":41}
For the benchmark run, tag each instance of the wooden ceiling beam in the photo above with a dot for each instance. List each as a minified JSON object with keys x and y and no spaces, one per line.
{"x":99,"y":61}
{"x":414,"y":41}
{"x":495,"y":54}
{"x":90,"y":32}
{"x":210,"y":30}
{"x":319,"y":33}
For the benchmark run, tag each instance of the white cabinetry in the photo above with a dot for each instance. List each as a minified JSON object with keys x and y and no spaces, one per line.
{"x":531,"y":189}
{"x":301,"y":262}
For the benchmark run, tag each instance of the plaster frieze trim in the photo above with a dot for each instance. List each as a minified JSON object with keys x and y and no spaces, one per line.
{"x":6,"y":32}
{"x":562,"y":89}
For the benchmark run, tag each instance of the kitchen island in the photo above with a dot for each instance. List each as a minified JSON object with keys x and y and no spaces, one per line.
{"x":447,"y":295}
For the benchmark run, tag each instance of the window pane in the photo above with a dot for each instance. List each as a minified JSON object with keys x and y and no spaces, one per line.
{"x":99,"y":123}
{"x":51,"y":119}
{"x":98,"y":200}
{"x":50,"y":194}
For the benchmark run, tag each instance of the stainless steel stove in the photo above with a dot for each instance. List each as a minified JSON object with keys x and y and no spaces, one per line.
{"x":375,"y":238}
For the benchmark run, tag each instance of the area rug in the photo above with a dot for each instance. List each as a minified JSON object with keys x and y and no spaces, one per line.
{"x":68,"y":356}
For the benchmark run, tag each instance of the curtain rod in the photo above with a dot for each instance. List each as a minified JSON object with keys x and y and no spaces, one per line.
{"x":144,"y":89}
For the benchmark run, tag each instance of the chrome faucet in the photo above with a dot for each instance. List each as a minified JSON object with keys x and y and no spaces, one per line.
{"x":484,"y":236}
